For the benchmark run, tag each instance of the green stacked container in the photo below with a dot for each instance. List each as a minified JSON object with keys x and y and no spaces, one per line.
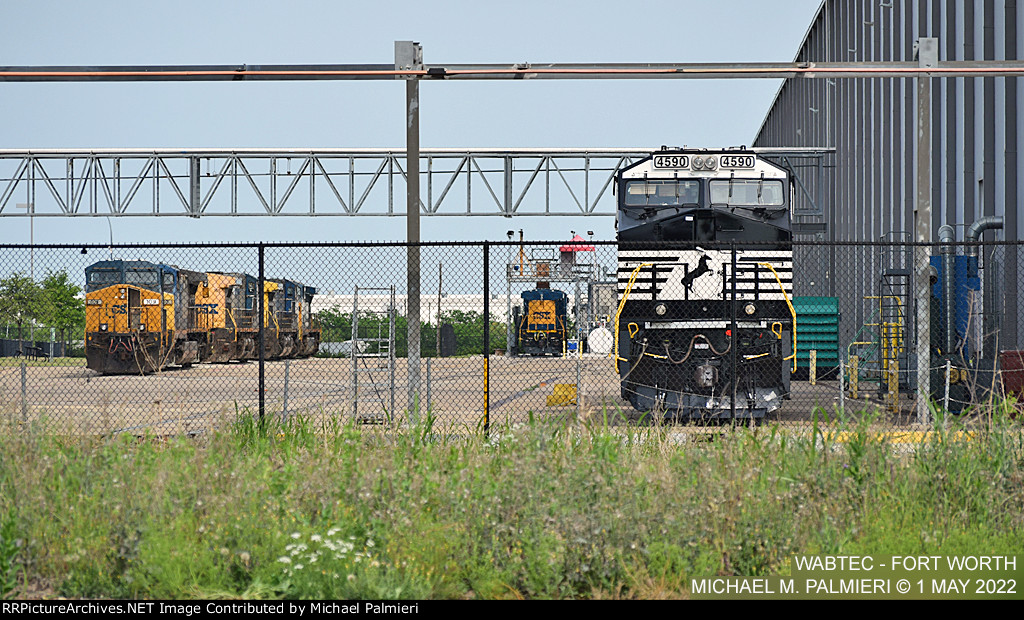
{"x":817,"y":328}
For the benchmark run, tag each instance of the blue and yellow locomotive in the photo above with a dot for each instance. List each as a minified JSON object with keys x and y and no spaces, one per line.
{"x":142,"y":317}
{"x":542,"y":329}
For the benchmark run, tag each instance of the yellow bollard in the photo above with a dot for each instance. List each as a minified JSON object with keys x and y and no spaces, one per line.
{"x":894,"y":386}
{"x":814,"y":366}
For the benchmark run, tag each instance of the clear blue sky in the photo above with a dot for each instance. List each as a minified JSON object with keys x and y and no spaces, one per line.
{"x":610,"y":113}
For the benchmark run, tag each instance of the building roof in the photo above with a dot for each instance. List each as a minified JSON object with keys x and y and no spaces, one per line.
{"x":576,"y":245}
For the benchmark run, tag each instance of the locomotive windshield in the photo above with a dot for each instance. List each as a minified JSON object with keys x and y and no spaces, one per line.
{"x":655,"y":192}
{"x":146,"y":278}
{"x":101,"y":278}
{"x":748,"y":192}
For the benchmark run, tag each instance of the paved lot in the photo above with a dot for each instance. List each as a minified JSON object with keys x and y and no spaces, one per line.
{"x":194,"y":399}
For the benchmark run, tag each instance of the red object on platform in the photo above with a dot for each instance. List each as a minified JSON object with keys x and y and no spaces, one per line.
{"x":576,"y":245}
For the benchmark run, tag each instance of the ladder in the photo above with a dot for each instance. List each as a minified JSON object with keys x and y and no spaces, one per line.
{"x":373,"y":356}
{"x":892,"y":317}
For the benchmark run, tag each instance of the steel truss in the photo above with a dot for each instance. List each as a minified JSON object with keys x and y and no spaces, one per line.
{"x":322,"y":182}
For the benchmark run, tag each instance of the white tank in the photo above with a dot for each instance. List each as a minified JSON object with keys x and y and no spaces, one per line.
{"x":600,"y":341}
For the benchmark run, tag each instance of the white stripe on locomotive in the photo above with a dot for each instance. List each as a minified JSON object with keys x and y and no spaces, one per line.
{"x":674,"y":269}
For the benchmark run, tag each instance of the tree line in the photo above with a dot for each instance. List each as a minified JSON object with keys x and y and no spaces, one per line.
{"x":336,"y":326}
{"x":53,"y":303}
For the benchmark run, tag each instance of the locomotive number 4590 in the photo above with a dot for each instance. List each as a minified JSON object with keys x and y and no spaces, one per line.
{"x":671,"y":161}
{"x":737,"y":161}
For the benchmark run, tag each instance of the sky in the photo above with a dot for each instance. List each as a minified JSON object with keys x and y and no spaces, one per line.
{"x":493,"y":114}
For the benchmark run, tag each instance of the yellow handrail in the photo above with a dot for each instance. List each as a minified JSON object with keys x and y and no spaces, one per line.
{"x":622,"y":304}
{"x":792,"y":311}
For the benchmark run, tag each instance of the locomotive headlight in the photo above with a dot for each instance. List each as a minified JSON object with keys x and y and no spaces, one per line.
{"x":750,"y":308}
{"x":698,"y":162}
{"x":660,"y":309}
{"x":710,"y":163}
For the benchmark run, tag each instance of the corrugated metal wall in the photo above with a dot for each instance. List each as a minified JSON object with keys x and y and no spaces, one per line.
{"x":870,"y":121}
{"x":871,"y":185}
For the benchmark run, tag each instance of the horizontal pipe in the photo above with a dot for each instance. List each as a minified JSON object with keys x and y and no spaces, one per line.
{"x":545,"y":71}
{"x":496,"y":152}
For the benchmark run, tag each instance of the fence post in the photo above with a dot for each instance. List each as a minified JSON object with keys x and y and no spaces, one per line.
{"x":487,"y":337}
{"x":842,"y":387}
{"x":263,"y":319}
{"x":732,"y":332}
{"x":945,"y":399}
{"x":284,"y":405}
{"x":24,"y":393}
{"x":854,"y":363}
{"x":579,"y":362}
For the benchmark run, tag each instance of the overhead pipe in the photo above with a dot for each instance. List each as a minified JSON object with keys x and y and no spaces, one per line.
{"x":975,"y":230}
{"x":974,"y":233}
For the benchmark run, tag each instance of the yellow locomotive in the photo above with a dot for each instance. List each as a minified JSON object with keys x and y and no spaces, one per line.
{"x":141,"y":317}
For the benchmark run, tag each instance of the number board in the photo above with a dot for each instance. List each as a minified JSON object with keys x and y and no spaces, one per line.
{"x":736,"y":161}
{"x":671,"y":161}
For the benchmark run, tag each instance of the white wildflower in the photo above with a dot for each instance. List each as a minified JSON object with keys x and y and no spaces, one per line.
{"x":284,"y":559}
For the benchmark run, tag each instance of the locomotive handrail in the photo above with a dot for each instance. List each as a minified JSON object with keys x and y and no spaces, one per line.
{"x":234,"y":323}
{"x":792,"y":311}
{"x":622,"y":304}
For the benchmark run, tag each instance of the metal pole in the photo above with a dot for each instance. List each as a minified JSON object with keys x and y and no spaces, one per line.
{"x":354,"y":353}
{"x":440,"y":277}
{"x":24,"y":393}
{"x":927,"y":51}
{"x":509,"y":330}
{"x":284,"y":406}
{"x":391,"y":350}
{"x":842,"y":388}
{"x":732,"y":332}
{"x":263,"y":346}
{"x":487,"y":337}
{"x":428,"y":383}
{"x":579,"y":388}
{"x":945,"y":399}
{"x":410,"y":54}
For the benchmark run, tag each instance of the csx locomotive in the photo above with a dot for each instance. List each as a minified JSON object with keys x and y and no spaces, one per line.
{"x":704,"y":328}
{"x":542,"y":330}
{"x":142,"y":317}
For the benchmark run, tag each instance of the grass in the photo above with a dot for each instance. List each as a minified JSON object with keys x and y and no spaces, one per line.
{"x":533,"y":511}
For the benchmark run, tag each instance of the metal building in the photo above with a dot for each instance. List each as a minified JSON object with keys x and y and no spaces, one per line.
{"x":870,"y":184}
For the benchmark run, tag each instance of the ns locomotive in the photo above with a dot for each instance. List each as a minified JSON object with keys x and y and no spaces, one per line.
{"x":142,"y":317}
{"x":705,"y":324}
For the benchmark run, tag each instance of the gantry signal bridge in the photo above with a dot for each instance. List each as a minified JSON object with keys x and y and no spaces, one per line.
{"x":329,"y":182}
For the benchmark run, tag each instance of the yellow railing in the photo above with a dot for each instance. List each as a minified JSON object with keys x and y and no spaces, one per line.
{"x":792,"y":311}
{"x":622,"y":304}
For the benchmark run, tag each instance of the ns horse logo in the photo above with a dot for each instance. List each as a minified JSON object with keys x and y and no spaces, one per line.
{"x":702,"y":268}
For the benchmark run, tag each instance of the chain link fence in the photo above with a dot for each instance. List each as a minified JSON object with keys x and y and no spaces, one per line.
{"x":177,"y":339}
